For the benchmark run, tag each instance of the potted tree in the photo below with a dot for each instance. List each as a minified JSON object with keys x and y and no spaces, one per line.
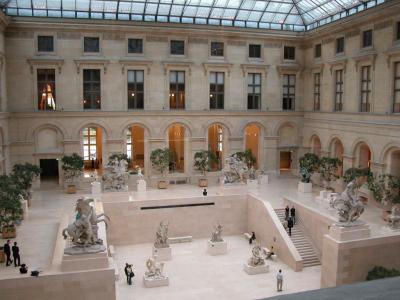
{"x":308,"y":164}
{"x":202,"y":162}
{"x":247,"y":157}
{"x":10,"y":205}
{"x":328,"y":167}
{"x":160,"y":160}
{"x":72,"y":166}
{"x":23,"y":175}
{"x":355,"y":173}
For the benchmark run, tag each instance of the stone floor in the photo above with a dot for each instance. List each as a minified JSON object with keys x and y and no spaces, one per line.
{"x":194,"y":274}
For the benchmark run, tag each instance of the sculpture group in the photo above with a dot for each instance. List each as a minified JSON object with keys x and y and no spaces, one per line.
{"x":162,"y":236}
{"x":258,"y":257}
{"x":154,"y":269}
{"x":235,"y":170}
{"x":216,"y":235}
{"x":84,"y":230}
{"x":116,"y":175}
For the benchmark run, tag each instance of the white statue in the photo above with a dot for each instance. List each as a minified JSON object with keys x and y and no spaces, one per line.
{"x":116,"y":175}
{"x":234,"y":169}
{"x":216,"y":234}
{"x":83,"y":230}
{"x":394,"y":218}
{"x":154,"y":269}
{"x":258,"y":257}
{"x":162,"y":236}
{"x":139,"y":174}
{"x":348,"y":204}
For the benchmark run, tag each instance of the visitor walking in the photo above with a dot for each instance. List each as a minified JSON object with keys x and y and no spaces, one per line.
{"x":287,"y":212}
{"x":279,"y":281}
{"x":15,"y":252}
{"x":252,"y":238}
{"x":129,"y":273}
{"x":293,"y":214}
{"x":7,"y":252}
{"x":290,"y":226}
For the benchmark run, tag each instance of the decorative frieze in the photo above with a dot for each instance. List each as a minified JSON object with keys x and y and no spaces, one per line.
{"x":168,"y":65}
{"x":20,"y":34}
{"x":89,"y":61}
{"x":156,"y":39}
{"x":113,"y":36}
{"x":193,"y":40}
{"x":236,"y":43}
{"x":383,"y":25}
{"x":275,"y":45}
{"x":327,"y":40}
{"x":68,"y":35}
{"x":254,"y":67}
{"x":352,"y":33}
{"x":145,"y":64}
{"x":45,"y":61}
{"x":217,"y":66}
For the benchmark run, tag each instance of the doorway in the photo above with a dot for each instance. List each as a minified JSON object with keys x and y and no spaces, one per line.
{"x":49,"y":169}
{"x":285,"y":161}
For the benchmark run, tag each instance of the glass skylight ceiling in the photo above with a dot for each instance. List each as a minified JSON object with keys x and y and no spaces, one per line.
{"x":295,"y":15}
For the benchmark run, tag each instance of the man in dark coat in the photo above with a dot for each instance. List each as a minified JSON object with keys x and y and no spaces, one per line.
{"x":293,"y":214}
{"x":129,"y":273}
{"x":287,"y":212}
{"x":7,"y":252}
{"x":290,"y":225}
{"x":15,"y":252}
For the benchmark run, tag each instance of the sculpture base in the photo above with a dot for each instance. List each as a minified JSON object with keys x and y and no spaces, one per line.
{"x":217,"y":248}
{"x":96,"y":188}
{"x":141,"y":185}
{"x":252,"y":184}
{"x":350,"y":231}
{"x":162,"y":254}
{"x":304,"y":187}
{"x":263,"y":179}
{"x":77,"y":250}
{"x":255,"y":270}
{"x":150,"y":282}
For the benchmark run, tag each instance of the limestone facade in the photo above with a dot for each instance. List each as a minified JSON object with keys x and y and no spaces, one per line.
{"x":24,"y":127}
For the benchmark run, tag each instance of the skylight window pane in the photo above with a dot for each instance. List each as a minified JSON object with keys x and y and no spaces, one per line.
{"x":179,"y":1}
{"x":137,"y":8}
{"x":39,"y":4}
{"x":109,"y":16}
{"x":187,"y":20}
{"x":151,"y":9}
{"x":82,"y":15}
{"x":273,"y":6}
{"x":123,"y":16}
{"x":285,"y":8}
{"x":200,"y":21}
{"x":165,"y":1}
{"x":240,"y":24}
{"x":96,"y":6}
{"x":96,"y":15}
{"x":242,"y":15}
{"x":260,"y":5}
{"x":24,"y":4}
{"x":233,"y":4}
{"x":174,"y":19}
{"x":252,"y":24}
{"x":255,"y":16}
{"x":110,"y":6}
{"x":25,"y":12}
{"x":149,"y":18}
{"x":206,"y":2}
{"x":190,"y":11}
{"x":229,"y":13}
{"x":162,"y":19}
{"x":11,"y":4}
{"x":294,"y":19}
{"x":80,"y":5}
{"x":124,"y":7}
{"x":54,"y":13}
{"x":163,"y":9}
{"x":68,"y":14}
{"x":176,"y":10}
{"x":221,"y":3}
{"x":203,"y":12}
{"x":268,"y":17}
{"x":279,"y":18}
{"x":214,"y":22}
{"x":226,"y":23}
{"x":53,"y":4}
{"x":39,"y":13}
{"x":217,"y":13}
{"x":193,"y":2}
{"x":247,"y":4}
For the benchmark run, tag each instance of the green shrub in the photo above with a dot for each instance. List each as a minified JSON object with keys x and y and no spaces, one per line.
{"x":308,"y":164}
{"x":354,"y":173}
{"x":203,"y":160}
{"x":247,"y":157}
{"x":379,"y":272}
{"x":160,"y":159}
{"x":72,"y":166}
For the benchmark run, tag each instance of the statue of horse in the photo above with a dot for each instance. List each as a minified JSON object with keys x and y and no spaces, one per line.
{"x":83,"y":230}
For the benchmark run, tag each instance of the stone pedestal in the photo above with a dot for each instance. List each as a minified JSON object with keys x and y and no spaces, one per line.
{"x":141,"y":185}
{"x":96,"y":188}
{"x":255,"y":270}
{"x":162,"y":254}
{"x":151,"y":282}
{"x":252,"y":184}
{"x":217,"y":248}
{"x":348,"y":232}
{"x":304,"y":187}
{"x":263,"y":179}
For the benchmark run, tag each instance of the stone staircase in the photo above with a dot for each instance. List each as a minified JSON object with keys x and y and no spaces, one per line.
{"x":301,"y":242}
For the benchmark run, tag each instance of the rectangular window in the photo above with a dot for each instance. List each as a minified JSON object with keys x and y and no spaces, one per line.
{"x":45,"y":43}
{"x":365,"y":88}
{"x":177,"y":90}
{"x":89,"y":143}
{"x":91,"y":44}
{"x":91,"y":89}
{"x":289,"y":52}
{"x":289,"y":87}
{"x":367,"y":38}
{"x":46,"y":87}
{"x":398,"y":31}
{"x":135,"y":46}
{"x":254,"y":51}
{"x":396,"y":94}
{"x":217,"y":90}
{"x":253,"y":91}
{"x":317,"y":91}
{"x":177,"y":48}
{"x":338,"y":90}
{"x":340,"y":45}
{"x":135,"y":89}
{"x":317,"y":51}
{"x":217,"y":49}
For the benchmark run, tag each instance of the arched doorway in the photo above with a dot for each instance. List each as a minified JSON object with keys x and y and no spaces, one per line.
{"x":216,"y":136}
{"x":337,"y":151}
{"x":135,"y":146}
{"x":316,"y":145}
{"x":252,"y":141}
{"x":288,"y":144}
{"x":362,"y":156}
{"x":392,"y":161}
{"x":92,"y":143}
{"x":176,"y":143}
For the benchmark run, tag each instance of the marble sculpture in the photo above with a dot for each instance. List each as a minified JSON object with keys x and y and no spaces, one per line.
{"x":116,"y":175}
{"x":162,"y":236}
{"x":154,"y":269}
{"x":394,"y":218}
{"x":348,"y":204}
{"x":84,"y":230}
{"x":216,"y":234}
{"x":258,"y":257}
{"x":235,"y":170}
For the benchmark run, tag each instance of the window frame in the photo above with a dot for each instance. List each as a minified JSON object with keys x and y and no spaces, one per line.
{"x":367,"y":92}
{"x":318,"y":51}
{"x":217,"y":93}
{"x":89,"y":145}
{"x":338,"y":90}
{"x":342,"y":38}
{"x":288,"y":94}
{"x":284,"y":53}
{"x":363,"y":39}
{"x":396,"y":79}
{"x":317,"y":91}
{"x":172,"y":40}
{"x":91,"y":91}
{"x":134,"y":53}
{"x":135,"y":89}
{"x":38,"y":89}
{"x":211,"y":49}
{"x":249,"y":51}
{"x":38,"y":43}
{"x":91,"y":52}
{"x":253,"y":86}
{"x":174,"y":93}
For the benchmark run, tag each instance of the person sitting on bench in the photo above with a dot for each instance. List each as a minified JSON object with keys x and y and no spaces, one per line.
{"x":270,"y":253}
{"x":252,"y":238}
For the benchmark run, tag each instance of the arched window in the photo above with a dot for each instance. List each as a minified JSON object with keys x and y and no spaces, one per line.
{"x":92,"y":147}
{"x":216,"y":144}
{"x":135,"y":146}
{"x":176,"y":142}
{"x":252,"y":142}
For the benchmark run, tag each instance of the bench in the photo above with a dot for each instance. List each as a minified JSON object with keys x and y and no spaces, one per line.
{"x":111,"y":250}
{"x":247,"y":235}
{"x":180,"y":239}
{"x":273,"y":257}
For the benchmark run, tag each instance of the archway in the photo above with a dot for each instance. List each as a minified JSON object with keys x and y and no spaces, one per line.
{"x":252,"y":141}
{"x":176,"y":143}
{"x":216,"y":144}
{"x":92,"y":143}
{"x":135,"y":146}
{"x":362,"y":156}
{"x":337,"y":151}
{"x":288,"y":144}
{"x":392,"y":161}
{"x":316,"y":145}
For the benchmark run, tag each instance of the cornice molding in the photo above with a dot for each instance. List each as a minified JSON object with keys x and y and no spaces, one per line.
{"x":369,"y":55}
{"x":137,"y":62}
{"x":255,"y":67}
{"x":185,"y":65}
{"x":210,"y":66}
{"x":97,"y":61}
{"x":45,"y":60}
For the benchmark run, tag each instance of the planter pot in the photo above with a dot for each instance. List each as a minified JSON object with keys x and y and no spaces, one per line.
{"x":8,"y":232}
{"x":304,"y":187}
{"x":162,"y":184}
{"x":71,"y":189}
{"x":203,"y":182}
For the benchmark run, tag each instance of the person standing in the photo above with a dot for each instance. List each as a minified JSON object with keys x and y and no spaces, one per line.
{"x":290,"y":225}
{"x":287,"y":212}
{"x":15,"y":252}
{"x":129,"y":273}
{"x":293,"y":214}
{"x":252,"y":238}
{"x":279,"y":281}
{"x":7,"y":252}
